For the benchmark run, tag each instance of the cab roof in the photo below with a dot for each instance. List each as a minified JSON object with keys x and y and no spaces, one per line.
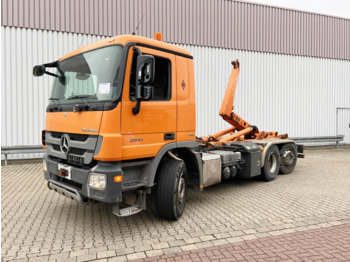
{"x":123,"y":40}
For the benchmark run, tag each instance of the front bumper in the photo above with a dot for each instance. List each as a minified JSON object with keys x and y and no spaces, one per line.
{"x":79,"y":181}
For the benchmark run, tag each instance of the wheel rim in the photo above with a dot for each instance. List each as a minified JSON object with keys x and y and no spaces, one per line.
{"x":181,"y":189}
{"x":272,"y":163}
{"x":288,"y":157}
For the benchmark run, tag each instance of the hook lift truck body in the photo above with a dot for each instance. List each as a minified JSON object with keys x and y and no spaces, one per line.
{"x":121,"y":124}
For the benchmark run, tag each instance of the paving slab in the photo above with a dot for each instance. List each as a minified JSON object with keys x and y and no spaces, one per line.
{"x":38,"y":223}
{"x":322,"y":244}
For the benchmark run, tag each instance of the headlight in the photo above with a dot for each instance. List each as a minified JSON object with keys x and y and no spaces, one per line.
{"x":44,"y":165}
{"x":98,"y":181}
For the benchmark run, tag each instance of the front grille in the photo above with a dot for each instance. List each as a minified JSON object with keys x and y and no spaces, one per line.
{"x":79,"y":145}
{"x":79,"y":137}
{"x":43,"y":137}
{"x":75,"y":137}
{"x":56,"y":147}
{"x":74,"y":151}
{"x":77,"y":151}
{"x":71,"y":183}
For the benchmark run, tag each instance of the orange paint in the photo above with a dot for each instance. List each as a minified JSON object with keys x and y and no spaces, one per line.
{"x":74,"y":122}
{"x":186,"y":101}
{"x":143,"y":134}
{"x":123,"y":40}
{"x":127,"y":136}
{"x":245,"y":131}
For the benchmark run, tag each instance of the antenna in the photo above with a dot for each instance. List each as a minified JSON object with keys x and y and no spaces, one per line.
{"x":137,"y":28}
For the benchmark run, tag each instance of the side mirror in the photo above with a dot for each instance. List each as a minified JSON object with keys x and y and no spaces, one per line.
{"x":145,"y":68}
{"x":62,"y":79}
{"x":147,"y":92}
{"x":38,"y":70}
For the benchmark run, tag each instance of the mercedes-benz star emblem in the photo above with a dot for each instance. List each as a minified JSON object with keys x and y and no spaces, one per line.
{"x":65,"y":143}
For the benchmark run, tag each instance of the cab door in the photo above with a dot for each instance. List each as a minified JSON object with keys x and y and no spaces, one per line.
{"x":145,"y":133}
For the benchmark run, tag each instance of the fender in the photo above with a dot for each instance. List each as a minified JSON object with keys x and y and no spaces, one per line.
{"x":267,"y":143}
{"x":149,"y":171}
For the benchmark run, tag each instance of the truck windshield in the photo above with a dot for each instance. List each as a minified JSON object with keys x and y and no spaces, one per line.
{"x":91,"y":76}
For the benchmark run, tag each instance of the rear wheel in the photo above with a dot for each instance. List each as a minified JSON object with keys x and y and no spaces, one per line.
{"x":171,"y":190}
{"x":288,"y":153}
{"x":271,"y":164}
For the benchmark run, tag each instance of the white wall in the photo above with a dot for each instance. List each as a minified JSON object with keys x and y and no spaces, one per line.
{"x":290,"y":94}
{"x":23,"y":97}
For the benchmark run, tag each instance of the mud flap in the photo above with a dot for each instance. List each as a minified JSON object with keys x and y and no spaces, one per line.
{"x":300,"y":150}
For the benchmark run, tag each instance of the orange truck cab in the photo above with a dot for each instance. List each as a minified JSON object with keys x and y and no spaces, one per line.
{"x":121,"y":123}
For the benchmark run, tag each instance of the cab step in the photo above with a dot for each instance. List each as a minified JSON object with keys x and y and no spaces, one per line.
{"x":127,"y":211}
{"x":132,"y":204}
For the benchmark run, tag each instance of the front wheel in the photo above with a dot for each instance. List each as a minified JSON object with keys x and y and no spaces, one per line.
{"x":171,"y":190}
{"x":271,"y":164}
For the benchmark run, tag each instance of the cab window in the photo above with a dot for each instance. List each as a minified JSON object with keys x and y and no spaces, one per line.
{"x":162,"y":79}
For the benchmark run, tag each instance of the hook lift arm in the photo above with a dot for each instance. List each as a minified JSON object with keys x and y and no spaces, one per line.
{"x":242,"y":127}
{"x":226,"y":110}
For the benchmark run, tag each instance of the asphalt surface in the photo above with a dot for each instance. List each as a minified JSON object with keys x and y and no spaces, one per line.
{"x":41,"y":225}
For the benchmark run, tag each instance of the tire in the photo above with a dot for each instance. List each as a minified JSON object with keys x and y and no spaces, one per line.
{"x":289,"y":155}
{"x":171,"y":190}
{"x":271,"y":164}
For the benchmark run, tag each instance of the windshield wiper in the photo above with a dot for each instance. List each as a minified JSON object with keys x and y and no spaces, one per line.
{"x":54,"y":99}
{"x":57,"y":104}
{"x":82,"y":97}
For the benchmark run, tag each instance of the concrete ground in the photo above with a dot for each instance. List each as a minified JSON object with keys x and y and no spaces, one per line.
{"x":308,"y":208}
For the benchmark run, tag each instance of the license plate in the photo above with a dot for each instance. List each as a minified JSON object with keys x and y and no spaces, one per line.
{"x":75,"y":160}
{"x":64,"y":170}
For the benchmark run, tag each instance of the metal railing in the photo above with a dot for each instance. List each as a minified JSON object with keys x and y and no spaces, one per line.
{"x":30,"y":149}
{"x":337,"y":118}
{"x":326,"y":139}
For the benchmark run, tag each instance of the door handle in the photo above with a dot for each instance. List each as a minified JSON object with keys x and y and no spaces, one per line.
{"x":169,"y":136}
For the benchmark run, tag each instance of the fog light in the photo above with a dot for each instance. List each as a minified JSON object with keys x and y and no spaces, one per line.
{"x":98,"y":181}
{"x":44,"y":165}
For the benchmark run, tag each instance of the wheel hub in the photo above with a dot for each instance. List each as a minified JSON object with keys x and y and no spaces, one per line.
{"x":181,"y":189}
{"x":272,"y":163}
{"x":288,"y":157}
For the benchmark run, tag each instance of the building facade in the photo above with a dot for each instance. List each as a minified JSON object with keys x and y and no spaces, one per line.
{"x":295,"y":66}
